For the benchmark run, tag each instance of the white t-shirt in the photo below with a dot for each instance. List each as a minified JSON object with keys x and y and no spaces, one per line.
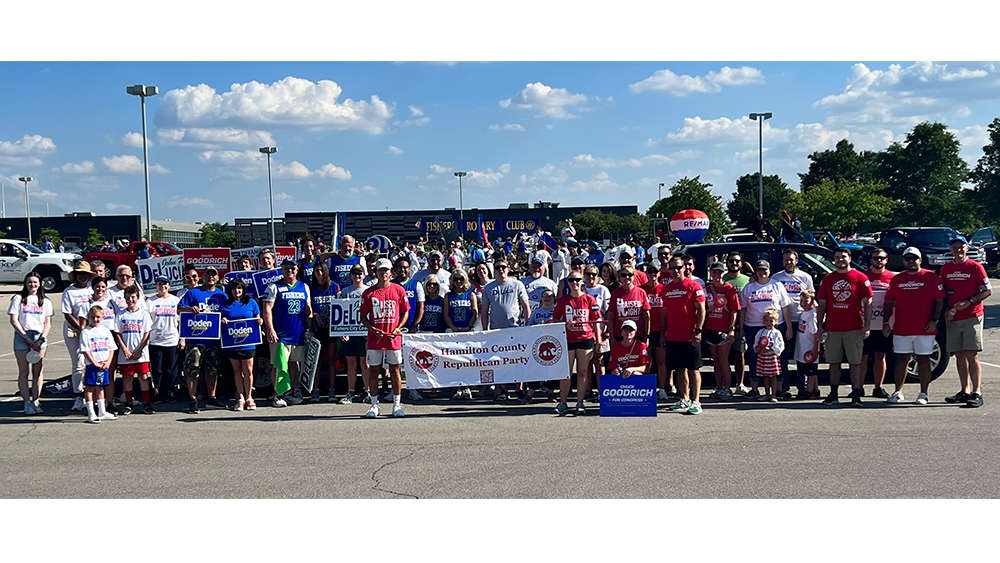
{"x":118,"y":296}
{"x":30,"y":314}
{"x":98,"y":341}
{"x":536,"y":287}
{"x":756,"y":298}
{"x":132,"y":326}
{"x":110,"y":311}
{"x":804,"y":340}
{"x":72,"y":297}
{"x":166,"y":321}
{"x":443,"y":277}
{"x":794,"y":284}
{"x":603,"y":297}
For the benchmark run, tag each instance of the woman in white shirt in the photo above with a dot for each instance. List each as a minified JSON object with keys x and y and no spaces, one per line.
{"x":31,"y":316}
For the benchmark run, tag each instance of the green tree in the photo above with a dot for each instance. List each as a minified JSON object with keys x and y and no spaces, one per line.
{"x":841,"y":164}
{"x":692,"y":193}
{"x":986,"y":179}
{"x":217,"y":234}
{"x":594,"y":224}
{"x":157,"y":232}
{"x":50,"y":232}
{"x":925,"y":173}
{"x":845,"y":207}
{"x":94,"y":237}
{"x":777,"y":198}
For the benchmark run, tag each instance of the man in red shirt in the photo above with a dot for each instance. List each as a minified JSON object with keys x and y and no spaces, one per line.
{"x":845,"y":314}
{"x":628,"y":302}
{"x":967,"y":286}
{"x":682,"y":319}
{"x":921,"y":295}
{"x":877,"y":343}
{"x":384,"y":310}
{"x":630,"y":355}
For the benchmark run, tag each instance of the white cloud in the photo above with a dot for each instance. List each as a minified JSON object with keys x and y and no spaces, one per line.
{"x":416,"y":112}
{"x":363,"y":190}
{"x":250,"y":165}
{"x":130,"y":164}
{"x":208,"y":138}
{"x":598,"y":182}
{"x":417,"y":118}
{"x":506,"y":127}
{"x":723,"y":129}
{"x":546,"y":101}
{"x":133,"y":139}
{"x":587,"y":160}
{"x":682,"y":85}
{"x":85,"y":167}
{"x":811,"y":137}
{"x":393,"y":149}
{"x":290,"y":101}
{"x":332,"y":171}
{"x":438,"y":169}
{"x":282,"y":196}
{"x":190,"y":202}
{"x":488,"y":177}
{"x":118,"y":207}
{"x":27,"y":151}
{"x":44,"y":195}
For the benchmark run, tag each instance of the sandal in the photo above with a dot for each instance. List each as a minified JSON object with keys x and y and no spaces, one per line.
{"x":251,"y":406}
{"x":239,"y":405}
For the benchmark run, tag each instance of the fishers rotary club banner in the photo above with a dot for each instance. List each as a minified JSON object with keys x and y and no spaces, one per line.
{"x":465,"y":359}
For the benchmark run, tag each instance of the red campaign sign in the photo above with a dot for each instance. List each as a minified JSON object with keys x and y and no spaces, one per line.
{"x":281,"y":253}
{"x":204,"y":257}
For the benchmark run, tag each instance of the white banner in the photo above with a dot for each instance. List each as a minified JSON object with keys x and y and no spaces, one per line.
{"x":345,"y":318}
{"x":281,"y":253}
{"x":151,"y":268}
{"x":465,"y":359}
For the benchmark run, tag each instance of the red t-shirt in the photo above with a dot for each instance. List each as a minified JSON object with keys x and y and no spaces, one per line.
{"x":628,"y":305}
{"x":579,"y":314}
{"x":914,"y":296}
{"x":386,"y":306}
{"x":720,"y":304}
{"x":634,"y":356}
{"x":641,"y":278}
{"x":843,"y":294}
{"x":963,"y":281}
{"x":880,"y":284}
{"x":679,"y":300}
{"x":655,"y":303}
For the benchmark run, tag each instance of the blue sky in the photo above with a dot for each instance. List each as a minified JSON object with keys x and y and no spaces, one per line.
{"x":372,"y":135}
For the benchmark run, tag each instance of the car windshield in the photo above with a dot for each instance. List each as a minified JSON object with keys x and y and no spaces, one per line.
{"x":166,"y":247}
{"x":934,"y":236}
{"x":32,"y":248}
{"x":982,"y":236}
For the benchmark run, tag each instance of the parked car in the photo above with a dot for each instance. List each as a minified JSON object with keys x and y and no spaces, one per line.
{"x":114,"y":257}
{"x":987,"y":238}
{"x":826,"y":239}
{"x":934,"y":244}
{"x":817,"y":261}
{"x":18,"y":258}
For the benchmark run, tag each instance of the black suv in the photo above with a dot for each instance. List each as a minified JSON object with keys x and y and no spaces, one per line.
{"x":934,"y":244}
{"x":987,"y":238}
{"x":817,"y":261}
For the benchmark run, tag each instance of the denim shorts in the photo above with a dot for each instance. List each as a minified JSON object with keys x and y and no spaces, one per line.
{"x":22,"y":345}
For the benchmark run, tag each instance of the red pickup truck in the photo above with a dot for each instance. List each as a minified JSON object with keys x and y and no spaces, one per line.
{"x":114,"y":257}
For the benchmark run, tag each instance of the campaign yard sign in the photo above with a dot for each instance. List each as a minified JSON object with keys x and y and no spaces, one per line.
{"x":247,"y":278}
{"x":245,"y":332}
{"x":263,"y":279}
{"x":201,"y":326}
{"x":345,"y":318}
{"x":149,"y":269}
{"x":631,"y":396}
{"x":202,"y":258}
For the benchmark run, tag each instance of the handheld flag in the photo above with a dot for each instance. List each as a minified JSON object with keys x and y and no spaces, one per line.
{"x":282,"y":382}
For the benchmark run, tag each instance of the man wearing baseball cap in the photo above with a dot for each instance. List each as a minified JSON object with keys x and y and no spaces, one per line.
{"x":384,"y":310}
{"x":286,"y":313}
{"x":536,"y":283}
{"x":967,"y":286}
{"x":203,"y":355}
{"x":73,"y":297}
{"x":433,"y":267}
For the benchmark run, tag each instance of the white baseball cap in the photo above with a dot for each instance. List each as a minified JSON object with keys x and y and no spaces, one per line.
{"x":383,"y":263}
{"x":914,"y":251}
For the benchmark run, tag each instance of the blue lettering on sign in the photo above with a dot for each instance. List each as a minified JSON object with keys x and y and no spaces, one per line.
{"x":239,"y":333}
{"x":632,"y":396}
{"x":201,"y":326}
{"x":345,"y":318}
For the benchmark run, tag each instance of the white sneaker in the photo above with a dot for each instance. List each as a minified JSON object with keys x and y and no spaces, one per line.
{"x":38,"y":407}
{"x":78,"y":404}
{"x":415,"y":395}
{"x":741,"y":390}
{"x":348,"y":398}
{"x":896,"y":397}
{"x":372,"y":412}
{"x":93,"y":419}
{"x":922,"y":399}
{"x":397,"y":411}
{"x":661,"y":395}
{"x":278,"y":402}
{"x":108,"y":416}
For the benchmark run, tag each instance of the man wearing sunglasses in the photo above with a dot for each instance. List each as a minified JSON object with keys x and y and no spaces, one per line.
{"x":682,"y":319}
{"x":967,"y":285}
{"x":877,"y":342}
{"x":505,"y":305}
{"x":204,"y":355}
{"x":629,"y":303}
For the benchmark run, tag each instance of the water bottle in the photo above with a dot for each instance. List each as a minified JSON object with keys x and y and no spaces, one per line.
{"x":621,"y":370}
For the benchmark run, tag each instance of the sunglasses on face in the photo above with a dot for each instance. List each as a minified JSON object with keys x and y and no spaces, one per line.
{"x":676,"y":268}
{"x":432,"y":285}
{"x":733,"y":261}
{"x":909,"y":258}
{"x":626,"y":275}
{"x":575,"y":280}
{"x":190,"y":277}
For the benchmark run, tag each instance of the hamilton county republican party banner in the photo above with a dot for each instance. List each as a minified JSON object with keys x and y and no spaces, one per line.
{"x":463,"y":359}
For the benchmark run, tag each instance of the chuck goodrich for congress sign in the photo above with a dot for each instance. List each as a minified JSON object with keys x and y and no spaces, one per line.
{"x":513,"y":355}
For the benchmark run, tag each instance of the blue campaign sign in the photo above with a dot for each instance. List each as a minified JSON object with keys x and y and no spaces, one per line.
{"x":264,"y":278}
{"x":244,"y":332}
{"x":247,"y":278}
{"x":632,"y":396}
{"x":201,"y":326}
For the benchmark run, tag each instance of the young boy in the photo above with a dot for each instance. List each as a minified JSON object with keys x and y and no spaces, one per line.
{"x":132,"y":327}
{"x":97,"y":345}
{"x":807,"y":346}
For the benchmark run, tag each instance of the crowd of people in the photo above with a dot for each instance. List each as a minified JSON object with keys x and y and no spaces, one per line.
{"x":632,"y":310}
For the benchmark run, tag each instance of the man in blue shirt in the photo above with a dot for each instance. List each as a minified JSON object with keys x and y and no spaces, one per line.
{"x":203,"y":356}
{"x":340,"y":262}
{"x":287,"y":310}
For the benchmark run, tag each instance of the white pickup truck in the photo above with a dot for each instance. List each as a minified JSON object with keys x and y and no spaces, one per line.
{"x":17,"y":258}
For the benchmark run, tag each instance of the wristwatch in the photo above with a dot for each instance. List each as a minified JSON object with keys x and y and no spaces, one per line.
{"x":697,"y":331}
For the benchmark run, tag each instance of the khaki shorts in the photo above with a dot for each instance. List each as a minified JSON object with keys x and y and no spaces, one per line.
{"x":391,"y":357}
{"x":847,"y":344}
{"x":294,"y":353}
{"x":966,"y":335}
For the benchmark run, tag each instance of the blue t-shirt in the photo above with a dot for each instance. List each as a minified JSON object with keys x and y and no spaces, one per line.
{"x":205,"y":301}
{"x":433,"y":319}
{"x":288,"y":314}
{"x":236,"y":311}
{"x":460,"y":308}
{"x":340,"y":269}
{"x":410,"y":286}
{"x":321,"y":300}
{"x":305,"y":270}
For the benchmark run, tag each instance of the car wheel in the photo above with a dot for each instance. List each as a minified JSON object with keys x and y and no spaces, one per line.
{"x":939,"y":363}
{"x":50,"y":281}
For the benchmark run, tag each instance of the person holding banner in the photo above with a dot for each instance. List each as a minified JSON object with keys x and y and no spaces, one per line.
{"x":322,"y":289}
{"x":581,"y":313}
{"x":416,"y":297}
{"x":203,"y":356}
{"x":505,"y":305}
{"x":433,"y":318}
{"x":287,"y":310}
{"x":384,"y":310}
{"x":354,"y":348}
{"x":461,"y":311}
{"x":630,"y":356}
{"x":240,"y":307}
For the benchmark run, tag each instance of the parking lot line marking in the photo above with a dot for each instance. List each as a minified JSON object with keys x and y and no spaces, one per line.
{"x":989,"y":364}
{"x":12,"y":353}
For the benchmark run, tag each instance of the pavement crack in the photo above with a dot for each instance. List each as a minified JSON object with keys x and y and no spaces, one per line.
{"x":378,"y":484}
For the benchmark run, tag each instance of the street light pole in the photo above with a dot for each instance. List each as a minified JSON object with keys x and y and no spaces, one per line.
{"x":269,"y":151}
{"x":27,"y":208}
{"x":143,"y":92}
{"x":659,"y":192}
{"x":759,"y":118}
{"x":461,"y":207}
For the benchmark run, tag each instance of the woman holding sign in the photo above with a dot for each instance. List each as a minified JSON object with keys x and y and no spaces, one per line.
{"x":580,"y":311}
{"x":322,"y":289}
{"x":238,"y":307}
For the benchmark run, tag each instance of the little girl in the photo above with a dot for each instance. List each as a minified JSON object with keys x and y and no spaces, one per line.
{"x":807,"y":345}
{"x":769,"y":347}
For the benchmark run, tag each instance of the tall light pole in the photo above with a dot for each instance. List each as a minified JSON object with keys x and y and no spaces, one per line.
{"x":659,"y":193}
{"x":269,"y":151}
{"x":143,"y":92}
{"x":759,"y":118}
{"x":27,"y":208}
{"x":461,"y":208}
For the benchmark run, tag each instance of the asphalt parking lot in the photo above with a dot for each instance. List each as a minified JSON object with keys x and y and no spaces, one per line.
{"x":445,"y":449}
